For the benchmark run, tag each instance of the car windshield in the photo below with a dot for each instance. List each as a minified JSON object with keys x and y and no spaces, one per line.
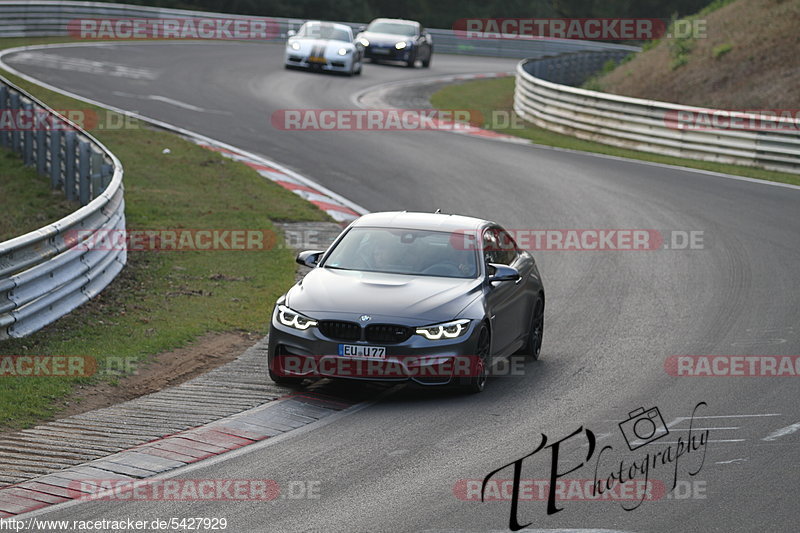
{"x":324,"y":31}
{"x":395,"y":28}
{"x":404,"y":251}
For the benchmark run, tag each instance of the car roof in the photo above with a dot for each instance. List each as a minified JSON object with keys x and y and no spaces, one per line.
{"x":423,"y":221}
{"x":401,"y":21}
{"x":334,"y":24}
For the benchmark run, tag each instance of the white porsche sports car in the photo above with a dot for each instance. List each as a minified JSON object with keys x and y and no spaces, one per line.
{"x":324,"y":46}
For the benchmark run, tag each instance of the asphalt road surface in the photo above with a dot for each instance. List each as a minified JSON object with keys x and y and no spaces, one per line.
{"x":613,"y":318}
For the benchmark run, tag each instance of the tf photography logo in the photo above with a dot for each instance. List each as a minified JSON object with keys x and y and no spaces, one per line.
{"x":642,"y":432}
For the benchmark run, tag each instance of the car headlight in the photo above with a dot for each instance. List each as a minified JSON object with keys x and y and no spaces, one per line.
{"x":293,"y":319}
{"x":400,"y":45}
{"x":295,"y":46}
{"x":343,"y":51}
{"x":448,"y":330}
{"x":363,"y":41}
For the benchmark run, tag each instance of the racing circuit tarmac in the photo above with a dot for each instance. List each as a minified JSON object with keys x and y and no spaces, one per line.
{"x":613,"y":317}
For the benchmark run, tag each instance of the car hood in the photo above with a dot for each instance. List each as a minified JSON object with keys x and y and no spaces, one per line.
{"x":307,"y":44}
{"x":348,"y":294}
{"x":384,"y":38}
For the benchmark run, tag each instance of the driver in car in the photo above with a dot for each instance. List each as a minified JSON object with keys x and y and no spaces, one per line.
{"x":376,"y":254}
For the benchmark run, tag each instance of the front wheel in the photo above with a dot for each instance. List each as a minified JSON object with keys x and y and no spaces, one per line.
{"x":412,"y":60}
{"x":479,"y":371}
{"x":283,"y":380}
{"x":427,"y":61}
{"x":533,"y":346}
{"x":279,"y":376}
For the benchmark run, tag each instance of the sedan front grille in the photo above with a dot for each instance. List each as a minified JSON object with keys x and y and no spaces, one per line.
{"x":345,"y":331}
{"x":387,"y":333}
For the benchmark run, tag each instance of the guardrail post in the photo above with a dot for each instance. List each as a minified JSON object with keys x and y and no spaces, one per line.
{"x":5,"y":136}
{"x":108,"y":173}
{"x":41,"y":151}
{"x":96,"y":173}
{"x":83,"y":172}
{"x":55,"y":155}
{"x":27,"y":135}
{"x":69,"y":165}
{"x":14,"y":108}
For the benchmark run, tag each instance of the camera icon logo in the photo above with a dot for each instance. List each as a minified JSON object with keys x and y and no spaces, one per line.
{"x":643,"y":427}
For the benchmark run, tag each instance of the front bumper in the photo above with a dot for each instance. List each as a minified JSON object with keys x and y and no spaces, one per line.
{"x":387,"y":52}
{"x":331,"y":64}
{"x":309,"y":354}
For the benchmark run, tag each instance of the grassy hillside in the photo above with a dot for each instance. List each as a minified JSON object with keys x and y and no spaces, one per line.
{"x":749,"y":59}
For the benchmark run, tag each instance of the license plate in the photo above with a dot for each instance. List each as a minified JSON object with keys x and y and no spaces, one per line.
{"x":380,"y":51}
{"x":316,"y":59}
{"x":357,"y":350}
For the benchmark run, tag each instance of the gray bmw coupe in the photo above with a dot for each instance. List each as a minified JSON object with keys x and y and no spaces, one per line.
{"x":430,"y":298}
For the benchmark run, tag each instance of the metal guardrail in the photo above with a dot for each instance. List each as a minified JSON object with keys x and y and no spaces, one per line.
{"x":42,"y":18}
{"x":47,"y":273}
{"x":544,"y":97}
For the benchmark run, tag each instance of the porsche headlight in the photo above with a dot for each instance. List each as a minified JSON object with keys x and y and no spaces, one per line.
{"x":294,"y":46}
{"x":400,"y":45}
{"x":447,"y":330}
{"x":363,"y":41}
{"x":343,"y":51}
{"x":293,"y":319}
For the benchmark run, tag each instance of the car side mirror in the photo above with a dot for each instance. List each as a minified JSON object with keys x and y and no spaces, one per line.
{"x":309,"y":258}
{"x":499,"y":272}
{"x":361,"y":28}
{"x":291,"y":33}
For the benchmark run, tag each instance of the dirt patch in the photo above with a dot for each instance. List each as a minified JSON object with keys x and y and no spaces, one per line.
{"x":161,"y":371}
{"x":748,"y":60}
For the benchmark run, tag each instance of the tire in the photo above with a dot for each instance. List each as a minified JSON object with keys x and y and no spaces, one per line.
{"x":477,"y":383}
{"x":360,"y":66}
{"x":278,"y":376}
{"x":283,"y":380}
{"x":412,"y":61}
{"x":533,"y":344}
{"x":426,"y":63}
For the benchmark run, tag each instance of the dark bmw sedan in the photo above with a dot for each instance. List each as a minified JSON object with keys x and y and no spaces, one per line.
{"x":431,"y":298}
{"x":397,"y":40}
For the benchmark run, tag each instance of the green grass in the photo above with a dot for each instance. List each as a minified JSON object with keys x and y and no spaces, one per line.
{"x":488,"y":96}
{"x":26,"y":200}
{"x":720,"y":50}
{"x":161,"y":300}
